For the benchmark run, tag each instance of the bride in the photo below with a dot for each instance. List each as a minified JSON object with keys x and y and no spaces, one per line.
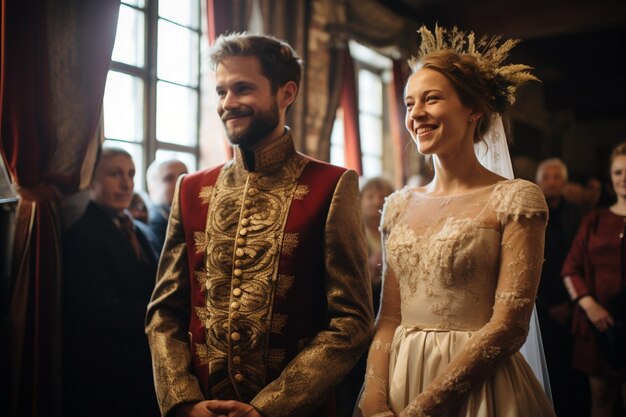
{"x":462,"y":255}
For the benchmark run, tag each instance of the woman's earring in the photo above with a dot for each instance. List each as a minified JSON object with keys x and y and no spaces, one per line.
{"x":471,"y":119}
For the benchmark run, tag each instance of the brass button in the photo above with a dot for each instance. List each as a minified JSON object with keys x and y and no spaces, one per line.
{"x":254,"y":176}
{"x":235,"y":336}
{"x":236,"y":360}
{"x":234,"y":305}
{"x":237,"y":349}
{"x":238,"y":377}
{"x":241,"y":241}
{"x":253,"y":191}
{"x":235,"y":315}
{"x":236,"y":282}
{"x":243,"y":231}
{"x":247,"y":204}
{"x":237,"y":272}
{"x":239,"y":252}
{"x":238,"y":263}
{"x":245,"y":222}
{"x":237,"y":292}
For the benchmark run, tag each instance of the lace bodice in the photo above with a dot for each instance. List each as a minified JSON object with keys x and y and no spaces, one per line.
{"x":468,"y":262}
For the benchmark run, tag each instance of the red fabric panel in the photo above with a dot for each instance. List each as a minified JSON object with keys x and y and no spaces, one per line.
{"x":194,"y":216}
{"x":350,"y":106}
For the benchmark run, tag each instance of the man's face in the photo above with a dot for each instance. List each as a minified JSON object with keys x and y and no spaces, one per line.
{"x":247,"y":106}
{"x":551,"y":181}
{"x":162,"y":186}
{"x":113,"y":182}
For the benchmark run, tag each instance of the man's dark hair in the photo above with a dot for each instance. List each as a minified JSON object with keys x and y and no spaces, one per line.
{"x":279,"y":62}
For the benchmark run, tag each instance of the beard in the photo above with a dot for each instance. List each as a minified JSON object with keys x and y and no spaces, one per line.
{"x":261,"y":125}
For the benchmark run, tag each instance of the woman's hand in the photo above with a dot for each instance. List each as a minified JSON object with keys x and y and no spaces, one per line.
{"x":597,"y":314}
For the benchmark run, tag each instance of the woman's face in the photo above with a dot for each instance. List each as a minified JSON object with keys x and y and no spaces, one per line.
{"x":618,"y":176}
{"x":437,"y":120}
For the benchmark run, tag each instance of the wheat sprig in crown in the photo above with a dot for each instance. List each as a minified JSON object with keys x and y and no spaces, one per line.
{"x":490,"y":54}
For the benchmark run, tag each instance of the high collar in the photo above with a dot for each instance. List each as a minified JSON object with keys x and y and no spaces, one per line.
{"x":270,"y":157}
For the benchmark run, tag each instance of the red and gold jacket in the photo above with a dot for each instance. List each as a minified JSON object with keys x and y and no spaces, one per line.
{"x":262,"y":293}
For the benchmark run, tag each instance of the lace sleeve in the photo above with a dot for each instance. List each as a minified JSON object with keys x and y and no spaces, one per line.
{"x":373,"y":401}
{"x":521,"y":260}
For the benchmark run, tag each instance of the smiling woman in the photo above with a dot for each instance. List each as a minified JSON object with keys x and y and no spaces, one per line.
{"x":462,"y":254}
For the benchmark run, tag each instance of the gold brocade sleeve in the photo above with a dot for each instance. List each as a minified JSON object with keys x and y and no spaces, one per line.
{"x":167,"y":320}
{"x":310,"y":376}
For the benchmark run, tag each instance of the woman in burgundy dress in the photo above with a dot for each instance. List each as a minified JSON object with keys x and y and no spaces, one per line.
{"x":595,"y":276}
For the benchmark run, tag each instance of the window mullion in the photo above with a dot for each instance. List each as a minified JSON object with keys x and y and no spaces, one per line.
{"x":150,"y":143}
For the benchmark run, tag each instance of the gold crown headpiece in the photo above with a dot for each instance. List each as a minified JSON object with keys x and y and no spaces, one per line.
{"x":503,"y":80}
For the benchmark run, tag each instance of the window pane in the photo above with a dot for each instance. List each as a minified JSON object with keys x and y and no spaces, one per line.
{"x":371,"y":129}
{"x":136,"y":151}
{"x":185,"y":157}
{"x":138,"y":3}
{"x":123,"y":107}
{"x":337,"y":151}
{"x":177,"y":118}
{"x":370,"y":93}
{"x":177,"y":54}
{"x":129,"y":42}
{"x":184,"y":12}
{"x":372,"y":166}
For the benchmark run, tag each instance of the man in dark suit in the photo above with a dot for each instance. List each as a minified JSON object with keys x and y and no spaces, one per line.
{"x":553,"y":305}
{"x":109,"y":273}
{"x":161,"y":178}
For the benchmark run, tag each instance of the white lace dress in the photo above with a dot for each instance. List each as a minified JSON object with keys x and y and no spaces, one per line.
{"x":460,"y":281}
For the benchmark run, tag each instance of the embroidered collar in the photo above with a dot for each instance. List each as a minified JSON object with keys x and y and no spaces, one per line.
{"x":270,"y":157}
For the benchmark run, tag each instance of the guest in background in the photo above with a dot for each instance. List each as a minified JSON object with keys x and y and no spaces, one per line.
{"x":573,"y":192}
{"x":373,"y":194}
{"x":138,"y":208}
{"x":161,"y":178}
{"x":592,"y":193}
{"x":109,"y":274}
{"x":595,"y":277}
{"x":569,"y":387}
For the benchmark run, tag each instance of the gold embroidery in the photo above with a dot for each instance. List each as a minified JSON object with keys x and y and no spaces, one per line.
{"x":301,"y":192}
{"x":279,"y":321}
{"x":202,"y":352}
{"x":200,"y":241}
{"x":285,"y":282}
{"x":203,"y":315}
{"x":246,"y":229}
{"x":201,"y":277}
{"x":291,"y":242}
{"x":205,"y":194}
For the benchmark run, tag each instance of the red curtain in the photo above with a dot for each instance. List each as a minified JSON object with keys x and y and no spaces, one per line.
{"x":350,"y":106}
{"x":55,"y":58}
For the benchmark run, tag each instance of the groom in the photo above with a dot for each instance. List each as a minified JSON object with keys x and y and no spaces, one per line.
{"x":262,"y":303}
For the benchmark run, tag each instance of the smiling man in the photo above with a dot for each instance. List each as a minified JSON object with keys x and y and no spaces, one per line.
{"x":109,"y":272}
{"x":262,"y":303}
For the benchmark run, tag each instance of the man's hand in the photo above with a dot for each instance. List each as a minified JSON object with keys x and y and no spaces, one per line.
{"x":231,"y":409}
